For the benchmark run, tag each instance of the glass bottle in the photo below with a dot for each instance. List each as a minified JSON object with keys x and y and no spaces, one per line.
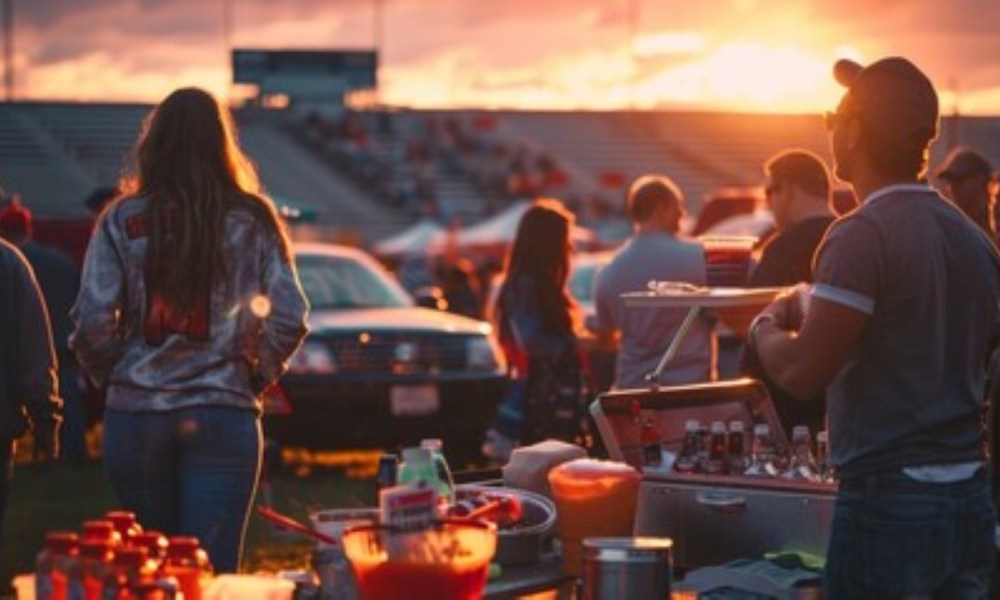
{"x":704,"y":443}
{"x":717,"y":462}
{"x":802,"y":462}
{"x":687,"y":460}
{"x":189,"y":563}
{"x":652,"y":456}
{"x":761,"y":452}
{"x":436,"y":447}
{"x":737,"y":448}
{"x":52,"y":565}
{"x":823,"y":463}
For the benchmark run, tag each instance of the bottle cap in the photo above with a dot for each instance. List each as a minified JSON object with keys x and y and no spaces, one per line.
{"x":432,"y":444}
{"x":718,"y":427}
{"x":762,"y":429}
{"x":692,"y":425}
{"x":736,"y":426}
{"x":822,"y":436}
{"x":800,"y":431}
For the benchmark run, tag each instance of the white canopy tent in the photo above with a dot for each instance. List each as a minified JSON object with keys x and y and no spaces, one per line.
{"x":416,"y":239}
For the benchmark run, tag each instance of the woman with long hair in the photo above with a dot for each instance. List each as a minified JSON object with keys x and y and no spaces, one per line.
{"x":189,"y":307}
{"x":537,"y":320}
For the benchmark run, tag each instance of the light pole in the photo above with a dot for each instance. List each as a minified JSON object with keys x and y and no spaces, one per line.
{"x":8,"y":49}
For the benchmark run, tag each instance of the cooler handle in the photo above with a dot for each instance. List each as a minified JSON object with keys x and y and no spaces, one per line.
{"x":722,"y":502}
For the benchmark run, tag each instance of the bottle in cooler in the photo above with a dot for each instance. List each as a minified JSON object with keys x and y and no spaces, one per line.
{"x":762,"y":452}
{"x":718,"y":461}
{"x":736,"y":446}
{"x":652,"y":453}
{"x":802,"y":462}
{"x":687,"y":459}
{"x":823,"y":457}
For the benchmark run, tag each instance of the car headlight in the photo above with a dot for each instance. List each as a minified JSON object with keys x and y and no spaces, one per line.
{"x":484,"y":353}
{"x":313,"y":358}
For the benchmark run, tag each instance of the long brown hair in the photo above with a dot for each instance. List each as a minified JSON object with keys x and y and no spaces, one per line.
{"x":541,"y":251}
{"x":192,"y":172}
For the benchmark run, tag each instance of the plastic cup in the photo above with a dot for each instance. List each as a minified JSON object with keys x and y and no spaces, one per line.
{"x":594,"y":498}
{"x":727,"y":260}
{"x":450,"y":561}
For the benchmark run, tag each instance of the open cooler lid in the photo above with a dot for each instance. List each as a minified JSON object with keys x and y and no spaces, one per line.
{"x":670,"y":407}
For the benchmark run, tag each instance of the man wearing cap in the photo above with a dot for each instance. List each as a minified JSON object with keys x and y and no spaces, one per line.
{"x":968,"y":182}
{"x":904,"y":300}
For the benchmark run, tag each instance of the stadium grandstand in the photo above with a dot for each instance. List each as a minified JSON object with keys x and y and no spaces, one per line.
{"x":358,"y":175}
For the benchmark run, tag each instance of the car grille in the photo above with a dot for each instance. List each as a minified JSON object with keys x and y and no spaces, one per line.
{"x":399,"y":353}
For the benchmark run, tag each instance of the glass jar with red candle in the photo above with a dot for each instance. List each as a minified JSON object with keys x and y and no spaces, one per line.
{"x":52,"y":565}
{"x":189,"y":563}
{"x":125,"y":524}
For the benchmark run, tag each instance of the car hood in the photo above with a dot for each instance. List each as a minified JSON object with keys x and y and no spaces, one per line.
{"x":395,"y":319}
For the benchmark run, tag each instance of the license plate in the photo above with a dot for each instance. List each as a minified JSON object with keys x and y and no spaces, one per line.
{"x":414,"y":400}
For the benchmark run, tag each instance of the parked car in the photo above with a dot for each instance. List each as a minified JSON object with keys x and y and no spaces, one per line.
{"x":376,"y":371}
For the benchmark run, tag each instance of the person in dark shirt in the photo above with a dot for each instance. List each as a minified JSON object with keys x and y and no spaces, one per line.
{"x":29,"y":389}
{"x":60,"y":282}
{"x":798,"y":192}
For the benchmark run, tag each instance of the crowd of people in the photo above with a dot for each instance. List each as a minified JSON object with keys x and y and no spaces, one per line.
{"x":884,"y":335}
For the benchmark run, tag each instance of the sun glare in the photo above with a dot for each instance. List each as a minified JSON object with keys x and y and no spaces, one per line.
{"x":746,"y":76}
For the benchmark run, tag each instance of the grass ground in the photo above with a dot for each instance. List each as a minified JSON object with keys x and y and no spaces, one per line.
{"x":60,"y":497}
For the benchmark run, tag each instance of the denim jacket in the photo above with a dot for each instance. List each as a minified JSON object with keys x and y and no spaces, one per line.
{"x":255,"y":320}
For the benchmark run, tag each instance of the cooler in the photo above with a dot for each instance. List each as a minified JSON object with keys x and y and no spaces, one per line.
{"x":713,"y":519}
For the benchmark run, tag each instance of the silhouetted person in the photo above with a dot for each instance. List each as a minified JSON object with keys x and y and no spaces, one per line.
{"x":655,"y":252}
{"x":29,"y":389}
{"x":798,"y":192}
{"x":189,"y":308}
{"x":899,"y":319}
{"x":968,"y":182}
{"x":60,"y":281}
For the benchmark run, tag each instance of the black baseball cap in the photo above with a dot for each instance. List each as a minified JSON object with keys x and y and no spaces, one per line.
{"x":962,"y":163}
{"x":893,"y":98}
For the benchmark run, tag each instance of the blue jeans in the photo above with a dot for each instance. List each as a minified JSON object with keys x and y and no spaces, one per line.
{"x":190,"y":471}
{"x":895,"y":537}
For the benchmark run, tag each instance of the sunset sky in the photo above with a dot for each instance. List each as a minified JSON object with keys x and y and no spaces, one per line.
{"x":754,"y":55}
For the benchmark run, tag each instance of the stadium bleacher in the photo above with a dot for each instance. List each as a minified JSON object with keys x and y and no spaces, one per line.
{"x":54,"y":154}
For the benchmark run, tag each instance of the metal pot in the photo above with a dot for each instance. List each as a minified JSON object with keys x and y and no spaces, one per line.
{"x":633,"y":568}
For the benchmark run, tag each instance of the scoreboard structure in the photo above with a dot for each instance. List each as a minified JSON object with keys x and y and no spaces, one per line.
{"x":310,"y":76}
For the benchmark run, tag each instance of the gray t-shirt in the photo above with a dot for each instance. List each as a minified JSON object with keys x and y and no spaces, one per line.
{"x":646,"y":331}
{"x":928,"y":279}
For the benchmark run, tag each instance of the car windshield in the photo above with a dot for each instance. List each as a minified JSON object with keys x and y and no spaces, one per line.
{"x":332,"y":282}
